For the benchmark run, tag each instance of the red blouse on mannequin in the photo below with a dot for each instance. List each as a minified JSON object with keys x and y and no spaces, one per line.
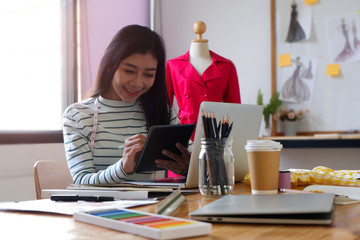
{"x":218,"y":83}
{"x":200,"y":75}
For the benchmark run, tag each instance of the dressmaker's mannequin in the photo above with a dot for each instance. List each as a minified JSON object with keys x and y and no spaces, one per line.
{"x":199,"y":55}
{"x":200,"y":75}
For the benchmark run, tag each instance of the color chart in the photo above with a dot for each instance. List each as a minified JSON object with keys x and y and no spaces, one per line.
{"x":145,"y":224}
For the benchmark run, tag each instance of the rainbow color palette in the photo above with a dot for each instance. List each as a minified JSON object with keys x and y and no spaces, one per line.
{"x":145,"y":224}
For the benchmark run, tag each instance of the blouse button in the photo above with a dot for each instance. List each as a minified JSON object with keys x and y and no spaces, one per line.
{"x":187,"y":95}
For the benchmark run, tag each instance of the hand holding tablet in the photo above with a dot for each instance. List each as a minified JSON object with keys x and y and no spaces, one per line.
{"x":160,"y":138}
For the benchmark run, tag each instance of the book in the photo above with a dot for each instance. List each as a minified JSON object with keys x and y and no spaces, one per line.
{"x":136,"y":186}
{"x":149,"y":225}
{"x":125,"y":186}
{"x":117,"y":194}
{"x":343,"y":194}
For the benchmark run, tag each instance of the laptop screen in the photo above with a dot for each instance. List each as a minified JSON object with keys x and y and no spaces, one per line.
{"x":246,"y":120}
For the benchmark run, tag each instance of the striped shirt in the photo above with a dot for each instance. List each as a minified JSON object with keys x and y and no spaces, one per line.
{"x":117,"y":121}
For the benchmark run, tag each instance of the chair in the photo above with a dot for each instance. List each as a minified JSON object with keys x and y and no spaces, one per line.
{"x":51,"y":175}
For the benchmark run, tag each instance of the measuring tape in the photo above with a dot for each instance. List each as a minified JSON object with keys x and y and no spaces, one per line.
{"x":95,"y":122}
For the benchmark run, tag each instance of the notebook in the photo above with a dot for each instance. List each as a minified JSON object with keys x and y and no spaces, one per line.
{"x":246,"y":120}
{"x":309,"y":208}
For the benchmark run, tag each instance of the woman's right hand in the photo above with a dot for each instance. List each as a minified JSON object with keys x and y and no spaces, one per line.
{"x":132,"y":149}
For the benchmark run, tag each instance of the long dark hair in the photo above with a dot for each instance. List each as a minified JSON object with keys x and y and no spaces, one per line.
{"x":128,"y":41}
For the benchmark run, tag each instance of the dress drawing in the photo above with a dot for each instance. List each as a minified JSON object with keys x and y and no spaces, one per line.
{"x":356,"y":41}
{"x":307,"y":73}
{"x":295,"y":87}
{"x":295,"y":32}
{"x":347,"y":51}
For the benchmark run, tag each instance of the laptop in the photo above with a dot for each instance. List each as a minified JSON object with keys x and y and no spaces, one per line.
{"x":246,"y":120}
{"x":309,"y":208}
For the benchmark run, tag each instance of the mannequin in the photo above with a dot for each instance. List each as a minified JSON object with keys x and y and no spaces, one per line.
{"x":200,"y":75}
{"x":199,"y":54}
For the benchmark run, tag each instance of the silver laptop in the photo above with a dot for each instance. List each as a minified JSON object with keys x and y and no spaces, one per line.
{"x":310,"y":208}
{"x":246,"y":120}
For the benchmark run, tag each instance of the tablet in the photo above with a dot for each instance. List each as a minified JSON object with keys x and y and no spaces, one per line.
{"x":162,"y":137}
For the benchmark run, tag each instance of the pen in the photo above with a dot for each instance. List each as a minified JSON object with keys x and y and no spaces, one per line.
{"x":75,"y":198}
{"x":285,"y":190}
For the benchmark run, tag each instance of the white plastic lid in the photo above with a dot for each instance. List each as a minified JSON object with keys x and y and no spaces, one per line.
{"x":265,"y":145}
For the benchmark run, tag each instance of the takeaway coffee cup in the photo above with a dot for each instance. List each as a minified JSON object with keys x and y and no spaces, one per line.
{"x":264,"y":159}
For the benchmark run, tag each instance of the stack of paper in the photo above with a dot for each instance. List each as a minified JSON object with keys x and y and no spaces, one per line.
{"x":343,"y":195}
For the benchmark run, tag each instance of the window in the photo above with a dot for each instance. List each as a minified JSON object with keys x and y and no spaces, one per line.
{"x":37,"y":68}
{"x":46,"y":46}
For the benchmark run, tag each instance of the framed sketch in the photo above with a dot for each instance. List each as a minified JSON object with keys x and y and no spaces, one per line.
{"x":307,"y":41}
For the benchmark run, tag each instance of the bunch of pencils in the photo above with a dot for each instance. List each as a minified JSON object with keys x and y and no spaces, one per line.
{"x":212,"y":129}
{"x":215,"y":173}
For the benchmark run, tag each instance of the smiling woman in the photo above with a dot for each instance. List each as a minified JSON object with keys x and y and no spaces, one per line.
{"x":134,"y":77}
{"x":104,"y":135}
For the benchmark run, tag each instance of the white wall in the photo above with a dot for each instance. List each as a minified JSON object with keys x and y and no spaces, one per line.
{"x":236,"y":29}
{"x":17,"y":168}
{"x":334,"y":158}
{"x":100,"y":21}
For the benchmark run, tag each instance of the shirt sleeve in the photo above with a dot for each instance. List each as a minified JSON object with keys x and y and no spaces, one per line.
{"x":79,"y":156}
{"x":174,"y":120}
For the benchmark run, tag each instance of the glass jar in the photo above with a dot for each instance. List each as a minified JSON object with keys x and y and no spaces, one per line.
{"x":216,"y":167}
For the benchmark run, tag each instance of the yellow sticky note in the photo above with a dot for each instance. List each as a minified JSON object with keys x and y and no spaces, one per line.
{"x":333,"y":70}
{"x":284,"y":60}
{"x":308,"y":2}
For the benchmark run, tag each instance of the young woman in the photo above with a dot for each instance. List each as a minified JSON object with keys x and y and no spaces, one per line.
{"x":104,"y":135}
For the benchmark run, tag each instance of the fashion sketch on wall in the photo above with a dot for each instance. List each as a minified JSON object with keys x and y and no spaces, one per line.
{"x":299,"y":22}
{"x":297,"y":80}
{"x":343,"y":38}
{"x":356,"y":40}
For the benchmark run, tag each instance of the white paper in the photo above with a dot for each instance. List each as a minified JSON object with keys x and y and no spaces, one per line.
{"x":343,"y":34}
{"x":68,"y":208}
{"x":298,"y":80}
{"x":345,"y":195}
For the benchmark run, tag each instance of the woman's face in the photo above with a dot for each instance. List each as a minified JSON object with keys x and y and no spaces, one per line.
{"x":134,"y":77}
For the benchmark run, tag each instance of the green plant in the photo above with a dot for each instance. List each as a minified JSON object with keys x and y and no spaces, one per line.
{"x":270,"y":108}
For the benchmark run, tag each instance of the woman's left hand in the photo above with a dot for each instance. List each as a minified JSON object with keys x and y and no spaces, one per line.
{"x":181,"y":162}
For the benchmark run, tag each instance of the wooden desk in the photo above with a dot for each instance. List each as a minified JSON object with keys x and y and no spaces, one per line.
{"x":15,"y":225}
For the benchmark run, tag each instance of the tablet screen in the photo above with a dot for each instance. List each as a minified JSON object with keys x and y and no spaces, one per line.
{"x":159,"y":138}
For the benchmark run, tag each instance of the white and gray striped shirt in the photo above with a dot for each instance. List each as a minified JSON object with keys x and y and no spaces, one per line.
{"x":117,"y":121}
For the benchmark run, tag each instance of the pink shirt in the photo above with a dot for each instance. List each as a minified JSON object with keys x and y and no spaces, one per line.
{"x":218,"y":83}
